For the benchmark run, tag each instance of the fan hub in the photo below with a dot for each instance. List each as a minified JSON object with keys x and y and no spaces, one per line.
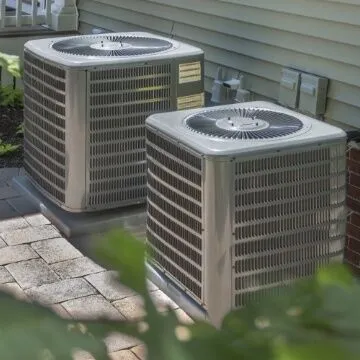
{"x":109,"y":45}
{"x":236,"y":123}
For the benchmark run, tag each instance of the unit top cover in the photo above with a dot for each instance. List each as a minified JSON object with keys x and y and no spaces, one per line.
{"x":243,"y":128}
{"x":112,"y":48}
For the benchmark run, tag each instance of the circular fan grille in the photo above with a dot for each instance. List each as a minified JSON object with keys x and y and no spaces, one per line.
{"x":111,"y":46}
{"x":244,"y":124}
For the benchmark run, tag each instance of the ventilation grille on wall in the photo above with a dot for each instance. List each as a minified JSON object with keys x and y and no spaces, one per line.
{"x":286,"y":218}
{"x":174,"y":225}
{"x":44,"y":118}
{"x":120,"y":101}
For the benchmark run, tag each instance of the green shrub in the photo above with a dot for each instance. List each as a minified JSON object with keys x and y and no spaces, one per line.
{"x":20,"y":129}
{"x":313,"y":320}
{"x":11,"y":97}
{"x":7,"y":149}
{"x":11,"y":64}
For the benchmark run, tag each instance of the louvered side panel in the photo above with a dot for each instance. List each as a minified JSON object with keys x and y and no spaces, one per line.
{"x":289,"y":218}
{"x":174,"y":222}
{"x":44,"y":130}
{"x":119,"y":102}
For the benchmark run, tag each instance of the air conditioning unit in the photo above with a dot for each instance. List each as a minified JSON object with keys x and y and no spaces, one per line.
{"x":86,"y":101}
{"x":242,"y":200}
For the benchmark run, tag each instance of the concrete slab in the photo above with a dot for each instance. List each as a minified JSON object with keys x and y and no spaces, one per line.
{"x":91,"y":307}
{"x":77,"y":224}
{"x":29,"y":235}
{"x":140,"y":351}
{"x":108,"y":285}
{"x":13,"y":254}
{"x":123,"y":355}
{"x":6,"y":174}
{"x":131,"y":307}
{"x":5,"y":276}
{"x":61,"y":291}
{"x":32,"y":273}
{"x":56,"y":250}
{"x":76,"y":268}
{"x":116,"y":341}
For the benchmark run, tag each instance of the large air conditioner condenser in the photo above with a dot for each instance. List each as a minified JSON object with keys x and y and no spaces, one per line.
{"x":86,"y":101}
{"x":242,"y":200}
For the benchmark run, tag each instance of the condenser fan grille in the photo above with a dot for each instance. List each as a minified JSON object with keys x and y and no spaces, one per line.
{"x":244,"y":124}
{"x":111,"y":46}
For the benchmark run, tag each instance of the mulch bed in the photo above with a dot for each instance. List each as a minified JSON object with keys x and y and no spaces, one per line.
{"x":10,"y":119}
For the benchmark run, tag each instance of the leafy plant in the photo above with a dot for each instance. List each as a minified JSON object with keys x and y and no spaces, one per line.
{"x":315,"y":319}
{"x":20,"y":129}
{"x":11,"y":64}
{"x":11,"y":97}
{"x":7,"y":149}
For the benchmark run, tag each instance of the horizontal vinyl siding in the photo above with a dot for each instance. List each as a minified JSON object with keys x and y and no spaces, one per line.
{"x":254,"y":37}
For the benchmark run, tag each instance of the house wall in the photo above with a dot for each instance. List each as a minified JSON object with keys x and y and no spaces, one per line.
{"x":13,"y":46}
{"x":254,"y":37}
{"x":13,"y":43}
{"x":258,"y":38}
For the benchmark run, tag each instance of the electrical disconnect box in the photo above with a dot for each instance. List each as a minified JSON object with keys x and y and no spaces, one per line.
{"x":289,"y":88}
{"x":313,"y":94}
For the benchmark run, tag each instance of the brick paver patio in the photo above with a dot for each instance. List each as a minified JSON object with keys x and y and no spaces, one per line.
{"x":37,"y":263}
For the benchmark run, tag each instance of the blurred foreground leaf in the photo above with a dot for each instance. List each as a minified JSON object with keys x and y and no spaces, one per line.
{"x":29,"y":330}
{"x":334,"y":274}
{"x":317,"y":318}
{"x":124,"y":253}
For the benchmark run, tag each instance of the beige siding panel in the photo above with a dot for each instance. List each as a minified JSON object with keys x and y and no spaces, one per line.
{"x":195,"y":13}
{"x":343,"y":33}
{"x":345,"y":93}
{"x":87,"y":21}
{"x":267,"y":70}
{"x":304,"y":44}
{"x":283,"y":57}
{"x":343,"y":113}
{"x":142,"y":19}
{"x":257,"y":41}
{"x":332,"y":11}
{"x":352,"y":2}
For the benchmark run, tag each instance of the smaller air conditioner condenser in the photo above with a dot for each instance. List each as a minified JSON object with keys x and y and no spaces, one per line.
{"x":242,"y":199}
{"x":86,"y":99}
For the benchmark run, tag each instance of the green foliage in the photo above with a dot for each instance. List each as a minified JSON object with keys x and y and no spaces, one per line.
{"x":11,"y":64}
{"x":20,"y":129}
{"x":7,"y":149}
{"x":11,"y":97}
{"x":130,"y":267}
{"x":316,"y":319}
